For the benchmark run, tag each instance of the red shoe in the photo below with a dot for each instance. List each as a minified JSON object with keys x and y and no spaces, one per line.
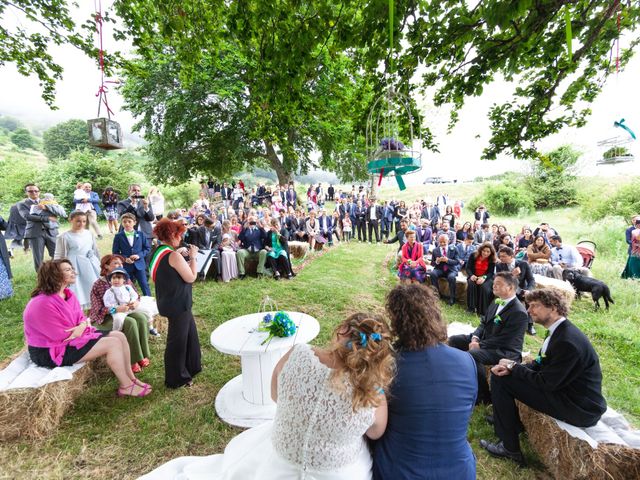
{"x":135,"y":368}
{"x":144,"y":362}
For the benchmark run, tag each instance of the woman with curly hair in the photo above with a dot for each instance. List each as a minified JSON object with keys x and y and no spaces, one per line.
{"x":431,"y":398}
{"x":328,"y":400}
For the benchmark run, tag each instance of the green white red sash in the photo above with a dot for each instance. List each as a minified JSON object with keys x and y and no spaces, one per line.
{"x":159,"y":254}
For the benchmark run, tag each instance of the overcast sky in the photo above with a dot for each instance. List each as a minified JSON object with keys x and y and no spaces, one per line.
{"x":75,"y":97}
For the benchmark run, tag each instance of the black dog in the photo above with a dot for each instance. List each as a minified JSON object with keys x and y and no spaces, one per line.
{"x":582,"y":283}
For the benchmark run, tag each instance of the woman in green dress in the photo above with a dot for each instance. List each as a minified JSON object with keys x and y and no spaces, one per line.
{"x":632,"y":269}
{"x":277,"y":249}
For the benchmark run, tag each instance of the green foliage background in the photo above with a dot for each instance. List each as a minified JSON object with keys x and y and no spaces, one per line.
{"x":62,"y":139}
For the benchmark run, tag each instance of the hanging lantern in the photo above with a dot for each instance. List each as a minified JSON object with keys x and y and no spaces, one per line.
{"x":104,"y":133}
{"x":388,"y":155}
{"x":616,"y":151}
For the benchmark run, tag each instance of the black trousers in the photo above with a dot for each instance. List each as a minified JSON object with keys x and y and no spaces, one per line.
{"x":373,"y":227}
{"x":182,"y":355}
{"x":361,"y":227}
{"x":482,"y":357}
{"x":479,"y":296}
{"x":504,"y":393}
{"x":280,"y":265}
{"x":450,"y":275}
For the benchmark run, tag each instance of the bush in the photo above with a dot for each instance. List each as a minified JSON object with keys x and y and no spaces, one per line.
{"x":16,"y":173}
{"x":83,"y":165}
{"x":608,"y":235}
{"x":507,"y":198}
{"x":180,"y":196}
{"x":625,"y":203}
{"x":551,"y":182}
{"x":62,"y":139}
{"x":21,"y":138}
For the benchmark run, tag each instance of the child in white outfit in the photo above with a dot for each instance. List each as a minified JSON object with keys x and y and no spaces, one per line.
{"x":121,"y":294}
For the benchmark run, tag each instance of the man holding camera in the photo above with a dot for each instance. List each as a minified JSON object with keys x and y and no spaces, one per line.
{"x":140,"y":207}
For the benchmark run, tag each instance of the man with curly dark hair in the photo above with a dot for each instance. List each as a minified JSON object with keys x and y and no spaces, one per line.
{"x":564,"y":381}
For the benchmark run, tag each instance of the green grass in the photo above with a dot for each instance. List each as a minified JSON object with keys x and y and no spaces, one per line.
{"x":106,"y":437}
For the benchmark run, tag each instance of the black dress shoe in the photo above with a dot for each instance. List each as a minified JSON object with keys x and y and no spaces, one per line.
{"x":451,"y":302}
{"x":531,"y":330}
{"x":498,"y":450}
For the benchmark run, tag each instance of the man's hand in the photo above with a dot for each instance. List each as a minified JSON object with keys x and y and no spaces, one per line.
{"x":516,"y":272}
{"x":134,"y":257}
{"x":145,"y":203}
{"x":500,"y":370}
{"x":480,"y":280}
{"x":473,"y":278}
{"x":474,"y":345}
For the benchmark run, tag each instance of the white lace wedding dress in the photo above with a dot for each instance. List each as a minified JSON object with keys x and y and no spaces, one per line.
{"x":315,"y":435}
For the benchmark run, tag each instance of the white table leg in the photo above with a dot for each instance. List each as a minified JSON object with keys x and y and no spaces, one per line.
{"x":256,"y":376}
{"x":233,"y":409}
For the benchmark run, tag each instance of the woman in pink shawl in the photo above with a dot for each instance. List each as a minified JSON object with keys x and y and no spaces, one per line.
{"x":58,"y":334}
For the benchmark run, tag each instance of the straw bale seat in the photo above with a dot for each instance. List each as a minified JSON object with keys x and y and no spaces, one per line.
{"x":561,"y":286}
{"x":33,"y":399}
{"x":298,"y":249}
{"x":608,"y":450}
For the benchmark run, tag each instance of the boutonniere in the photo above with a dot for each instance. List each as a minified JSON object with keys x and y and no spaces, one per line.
{"x":540,"y":357}
{"x":498,"y":320}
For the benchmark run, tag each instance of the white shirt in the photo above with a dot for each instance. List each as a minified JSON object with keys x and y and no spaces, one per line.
{"x":552,"y":329}
{"x":372,"y":215}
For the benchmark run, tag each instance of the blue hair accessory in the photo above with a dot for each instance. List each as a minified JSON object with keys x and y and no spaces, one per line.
{"x":363,"y":339}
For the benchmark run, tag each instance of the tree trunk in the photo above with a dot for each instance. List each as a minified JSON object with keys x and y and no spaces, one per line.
{"x":373,"y":190}
{"x":284,"y":177}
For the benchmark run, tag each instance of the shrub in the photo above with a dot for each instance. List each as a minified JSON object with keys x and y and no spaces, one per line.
{"x":21,"y":138}
{"x":60,"y":178}
{"x":507,"y":198}
{"x":551,"y":182}
{"x":625,"y":202}
{"x":180,"y":196}
{"x":16,"y":173}
{"x":62,"y":139}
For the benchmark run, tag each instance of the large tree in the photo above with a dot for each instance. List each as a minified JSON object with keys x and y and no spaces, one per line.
{"x":276,"y":89}
{"x":457,"y":47}
{"x":62,"y":139}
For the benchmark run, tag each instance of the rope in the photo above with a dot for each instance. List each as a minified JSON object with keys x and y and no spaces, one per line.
{"x":102,"y":89}
{"x":390,"y":36}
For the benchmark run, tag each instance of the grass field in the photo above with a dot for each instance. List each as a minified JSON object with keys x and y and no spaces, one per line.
{"x":105,"y":437}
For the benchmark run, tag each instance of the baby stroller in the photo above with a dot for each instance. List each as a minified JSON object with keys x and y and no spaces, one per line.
{"x":587,"y":250}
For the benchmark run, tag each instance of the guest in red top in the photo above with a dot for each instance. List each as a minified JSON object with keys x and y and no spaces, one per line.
{"x":480,"y":270}
{"x":412,"y":267}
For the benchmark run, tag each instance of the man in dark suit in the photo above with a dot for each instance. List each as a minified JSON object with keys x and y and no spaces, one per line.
{"x":387,"y":219}
{"x":400,"y":236}
{"x":465,"y":249}
{"x":39,"y":230}
{"x":564,"y":381}
{"x":252,"y":240}
{"x":291,"y":197}
{"x":424,"y":235}
{"x":139,"y":206}
{"x":500,"y":333}
{"x":331,"y":192}
{"x":225,"y":194}
{"x":522,"y":271}
{"x":481,"y":214}
{"x":431,"y":213}
{"x":325,"y":226}
{"x":133,"y":246}
{"x":446,"y":262}
{"x":361,"y":221}
{"x":374,"y":214}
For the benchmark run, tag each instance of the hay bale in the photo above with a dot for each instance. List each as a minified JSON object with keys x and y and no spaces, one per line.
{"x":461,"y":288}
{"x":34,"y":412}
{"x":298,"y":249}
{"x":561,"y":286}
{"x":567,"y":456}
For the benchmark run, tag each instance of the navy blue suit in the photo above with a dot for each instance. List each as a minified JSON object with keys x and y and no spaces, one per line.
{"x":448,"y":269}
{"x":253,"y":241}
{"x":326,"y":227}
{"x":140,"y":247}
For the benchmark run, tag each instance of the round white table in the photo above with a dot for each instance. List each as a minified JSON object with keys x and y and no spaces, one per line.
{"x":245,"y":401}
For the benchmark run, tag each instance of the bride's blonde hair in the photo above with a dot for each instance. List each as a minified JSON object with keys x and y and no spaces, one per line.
{"x":365,"y":357}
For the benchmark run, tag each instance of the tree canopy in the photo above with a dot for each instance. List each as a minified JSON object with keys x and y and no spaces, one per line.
{"x":272,"y":81}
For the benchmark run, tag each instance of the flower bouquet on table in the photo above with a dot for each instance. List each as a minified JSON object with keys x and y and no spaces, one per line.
{"x":278,"y":325}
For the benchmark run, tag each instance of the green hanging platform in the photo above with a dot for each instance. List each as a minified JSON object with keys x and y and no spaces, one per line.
{"x":396,"y":163}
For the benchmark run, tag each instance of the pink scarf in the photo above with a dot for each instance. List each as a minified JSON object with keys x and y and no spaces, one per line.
{"x":46,"y":318}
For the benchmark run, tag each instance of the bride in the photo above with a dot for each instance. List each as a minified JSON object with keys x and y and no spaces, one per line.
{"x":327,"y":401}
